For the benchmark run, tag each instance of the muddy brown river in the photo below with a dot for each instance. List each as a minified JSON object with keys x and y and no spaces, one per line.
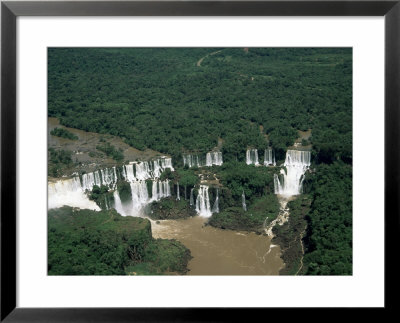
{"x":221,"y":252}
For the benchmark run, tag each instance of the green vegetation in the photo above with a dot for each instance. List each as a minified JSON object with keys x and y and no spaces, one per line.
{"x":63,"y":133}
{"x":160,"y":98}
{"x":253,"y":181}
{"x":101,"y":196}
{"x":169,"y":208}
{"x":235,"y":218}
{"x":58,"y":160}
{"x":329,"y":240}
{"x":111,"y":151}
{"x":84,"y":242}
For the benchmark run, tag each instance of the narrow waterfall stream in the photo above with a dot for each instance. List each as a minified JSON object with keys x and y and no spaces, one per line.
{"x":215,"y":208}
{"x":203,"y":202}
{"x":252,"y":157}
{"x":244,"y":202}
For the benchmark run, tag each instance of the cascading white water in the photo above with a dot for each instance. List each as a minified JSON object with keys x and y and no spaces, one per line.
{"x":160,"y":189}
{"x":178,"y":196}
{"x":72,"y":192}
{"x":208,"y":160}
{"x":244,"y":202}
{"x":215,"y":208}
{"x":252,"y":157}
{"x":69,"y":192}
{"x":140,"y":195}
{"x":212,"y":158}
{"x":191,"y":160}
{"x":166,"y":163}
{"x":269,"y":157}
{"x":203,"y":202}
{"x":129,"y":173}
{"x":290,"y":182}
{"x":140,"y":171}
{"x":117,"y":204}
{"x":109,"y":176}
{"x":191,"y":197}
{"x":90,"y":179}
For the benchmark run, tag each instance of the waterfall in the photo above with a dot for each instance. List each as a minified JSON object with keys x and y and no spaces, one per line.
{"x":123,"y":172}
{"x":191,"y":160}
{"x":191,"y":196}
{"x":290,"y":182}
{"x":140,"y":171}
{"x":107,"y":204}
{"x":178,"y":197}
{"x":244,"y":202}
{"x":90,"y":179}
{"x":215,"y":208}
{"x":269,"y":157}
{"x":129,"y":173}
{"x":160,"y":189}
{"x":117,"y":204}
{"x":140,"y":195}
{"x":166,"y":163}
{"x":203,"y":202}
{"x":73,"y":191}
{"x":69,"y":192}
{"x":252,"y":157}
{"x":109,"y":176}
{"x":208,"y":160}
{"x":212,"y":158}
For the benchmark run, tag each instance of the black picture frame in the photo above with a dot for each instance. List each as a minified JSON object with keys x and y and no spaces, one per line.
{"x":11,"y":10}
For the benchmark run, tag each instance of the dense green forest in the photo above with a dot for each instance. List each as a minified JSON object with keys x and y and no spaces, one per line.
{"x":161,"y":99}
{"x":84,"y":242}
{"x":329,"y":240}
{"x":181,"y":100}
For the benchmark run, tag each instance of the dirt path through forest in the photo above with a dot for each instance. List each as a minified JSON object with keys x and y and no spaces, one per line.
{"x":201,"y":59}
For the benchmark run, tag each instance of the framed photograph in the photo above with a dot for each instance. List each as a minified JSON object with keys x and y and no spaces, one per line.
{"x":170,"y":160}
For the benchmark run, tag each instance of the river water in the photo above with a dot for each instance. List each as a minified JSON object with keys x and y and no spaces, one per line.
{"x":221,"y":252}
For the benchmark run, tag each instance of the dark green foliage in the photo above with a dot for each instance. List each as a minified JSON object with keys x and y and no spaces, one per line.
{"x":160,"y":99}
{"x":329,"y":236}
{"x":111,"y":151}
{"x":63,"y":133}
{"x":58,"y":160}
{"x":262,"y":211}
{"x":101,"y":196}
{"x":169,"y":208}
{"x":187,"y":179}
{"x":162,"y":257}
{"x":124,"y":191}
{"x":60,"y":156}
{"x":167,"y":174}
{"x":253,"y":181}
{"x":84,"y":242}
